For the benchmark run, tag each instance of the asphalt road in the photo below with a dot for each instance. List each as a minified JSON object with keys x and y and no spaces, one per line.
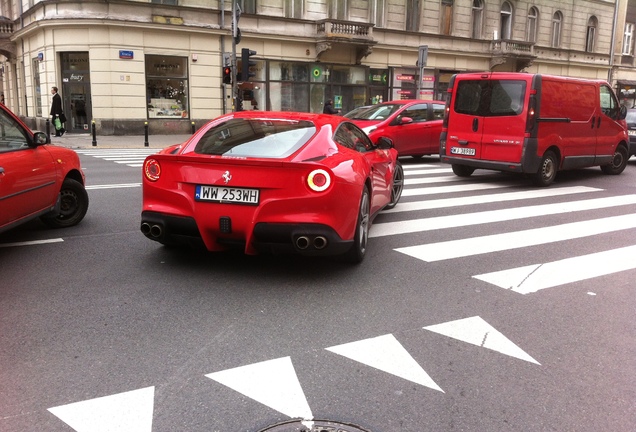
{"x":102,"y":329}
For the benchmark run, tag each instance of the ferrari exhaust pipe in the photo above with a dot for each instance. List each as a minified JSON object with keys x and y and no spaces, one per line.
{"x":145,"y":228}
{"x":156,"y":231}
{"x":320,"y":242}
{"x":302,"y":242}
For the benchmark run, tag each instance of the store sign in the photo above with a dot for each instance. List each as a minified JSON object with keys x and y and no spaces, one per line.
{"x":405,"y":78}
{"x":126,"y":54}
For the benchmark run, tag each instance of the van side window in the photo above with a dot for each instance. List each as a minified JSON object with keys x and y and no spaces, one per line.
{"x":609,"y":104}
{"x":490,"y":98}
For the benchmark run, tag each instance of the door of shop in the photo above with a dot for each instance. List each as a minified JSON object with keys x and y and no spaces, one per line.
{"x":76,"y":91}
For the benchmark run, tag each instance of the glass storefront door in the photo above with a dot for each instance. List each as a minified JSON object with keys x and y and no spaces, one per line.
{"x":76,"y":91}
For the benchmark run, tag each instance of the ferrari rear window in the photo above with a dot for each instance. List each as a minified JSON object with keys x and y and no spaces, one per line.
{"x":258,"y":138}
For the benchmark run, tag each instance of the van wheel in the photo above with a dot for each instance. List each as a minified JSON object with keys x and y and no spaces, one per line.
{"x":547,"y":170}
{"x":618,"y":163}
{"x":462,"y":170}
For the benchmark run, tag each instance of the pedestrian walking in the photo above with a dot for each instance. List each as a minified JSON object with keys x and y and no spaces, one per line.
{"x":57,"y":113}
{"x":329,"y":109}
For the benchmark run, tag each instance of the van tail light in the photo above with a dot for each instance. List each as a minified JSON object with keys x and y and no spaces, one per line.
{"x":319,"y":180}
{"x":447,"y":110}
{"x":531,"y":120}
{"x":152,"y":169}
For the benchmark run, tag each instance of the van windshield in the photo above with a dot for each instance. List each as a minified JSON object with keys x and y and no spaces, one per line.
{"x":490,"y":98}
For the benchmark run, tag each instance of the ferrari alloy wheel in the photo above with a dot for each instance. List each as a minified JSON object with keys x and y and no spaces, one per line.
{"x":73,"y":205}
{"x":619,"y":162}
{"x":359,"y":248}
{"x":398,"y":186}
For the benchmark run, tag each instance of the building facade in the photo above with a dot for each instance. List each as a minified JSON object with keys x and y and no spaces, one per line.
{"x":124,"y":64}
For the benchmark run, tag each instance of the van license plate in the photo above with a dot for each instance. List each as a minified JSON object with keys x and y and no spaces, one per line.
{"x":463,"y":151}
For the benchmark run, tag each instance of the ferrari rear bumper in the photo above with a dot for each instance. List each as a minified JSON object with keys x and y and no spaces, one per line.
{"x":301,"y":238}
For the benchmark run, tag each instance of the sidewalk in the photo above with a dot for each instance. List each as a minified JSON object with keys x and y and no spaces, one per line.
{"x":85,"y":141}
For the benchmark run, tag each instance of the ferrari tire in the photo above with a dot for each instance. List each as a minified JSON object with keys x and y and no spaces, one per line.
{"x":73,"y":205}
{"x":462,"y":170}
{"x":359,"y":247}
{"x":397,"y":186}
{"x":619,"y":162}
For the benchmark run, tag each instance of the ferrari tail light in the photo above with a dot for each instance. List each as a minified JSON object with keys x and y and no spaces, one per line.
{"x":152,"y":169}
{"x":319,"y":180}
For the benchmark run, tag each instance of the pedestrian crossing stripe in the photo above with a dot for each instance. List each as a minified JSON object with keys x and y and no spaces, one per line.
{"x":129,"y":411}
{"x":532,"y":278}
{"x":480,"y":218}
{"x":518,"y":239}
{"x":452,"y":189}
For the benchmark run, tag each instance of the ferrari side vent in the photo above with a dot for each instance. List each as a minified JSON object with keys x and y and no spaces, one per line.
{"x":225,"y":224}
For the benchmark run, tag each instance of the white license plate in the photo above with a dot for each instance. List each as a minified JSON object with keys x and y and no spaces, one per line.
{"x":632,"y":132}
{"x":222,"y":194}
{"x":463,"y":151}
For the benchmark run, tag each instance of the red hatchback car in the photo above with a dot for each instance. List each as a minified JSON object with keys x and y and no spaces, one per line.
{"x":271,"y":182}
{"x":36,"y":179}
{"x":414,"y":126}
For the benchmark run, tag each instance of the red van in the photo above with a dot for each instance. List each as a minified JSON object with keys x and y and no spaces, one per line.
{"x":532,"y":123}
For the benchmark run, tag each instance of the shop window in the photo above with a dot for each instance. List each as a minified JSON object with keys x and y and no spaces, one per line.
{"x":35,"y":67}
{"x":167,"y":86}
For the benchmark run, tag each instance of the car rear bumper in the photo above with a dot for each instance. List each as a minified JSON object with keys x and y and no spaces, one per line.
{"x":301,"y":238}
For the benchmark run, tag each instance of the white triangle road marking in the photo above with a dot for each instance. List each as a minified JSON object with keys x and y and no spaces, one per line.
{"x":388,"y":355}
{"x":492,"y":198}
{"x":129,"y":411}
{"x":478,"y":218}
{"x":478,"y":332}
{"x":518,"y":239}
{"x":273,"y":383}
{"x":530,"y":279}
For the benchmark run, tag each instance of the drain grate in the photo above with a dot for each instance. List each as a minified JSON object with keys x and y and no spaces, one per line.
{"x":314,"y":426}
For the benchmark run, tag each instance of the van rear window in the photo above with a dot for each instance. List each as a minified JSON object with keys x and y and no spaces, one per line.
{"x":490,"y":98}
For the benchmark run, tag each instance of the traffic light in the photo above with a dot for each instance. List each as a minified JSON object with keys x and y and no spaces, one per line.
{"x":227,"y":75}
{"x":246,"y":64}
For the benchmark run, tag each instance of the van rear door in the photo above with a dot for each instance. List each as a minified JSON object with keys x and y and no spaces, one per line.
{"x":465,"y":121}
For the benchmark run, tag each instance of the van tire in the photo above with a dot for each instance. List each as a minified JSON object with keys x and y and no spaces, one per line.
{"x":619,"y":162}
{"x":462,"y":170}
{"x":547,"y":170}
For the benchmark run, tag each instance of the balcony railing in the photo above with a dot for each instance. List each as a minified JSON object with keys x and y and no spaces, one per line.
{"x":334,"y":29}
{"x":6,"y":27}
{"x":510,"y":47}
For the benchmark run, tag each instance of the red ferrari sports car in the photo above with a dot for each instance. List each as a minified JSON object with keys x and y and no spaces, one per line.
{"x":413,"y":125}
{"x":271,"y":182}
{"x":36,"y":179}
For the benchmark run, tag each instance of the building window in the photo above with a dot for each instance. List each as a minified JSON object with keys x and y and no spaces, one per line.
{"x":377,"y":13}
{"x":167,"y":86}
{"x":447,"y":17}
{"x":338,"y":9}
{"x":294,"y":8}
{"x":590,"y":37}
{"x":166,"y":2}
{"x":506,"y":20}
{"x":628,"y":39}
{"x":412,"y":15}
{"x":37,"y":89}
{"x":247,"y":6}
{"x":478,"y":16}
{"x":533,"y":19}
{"x":557,"y":23}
